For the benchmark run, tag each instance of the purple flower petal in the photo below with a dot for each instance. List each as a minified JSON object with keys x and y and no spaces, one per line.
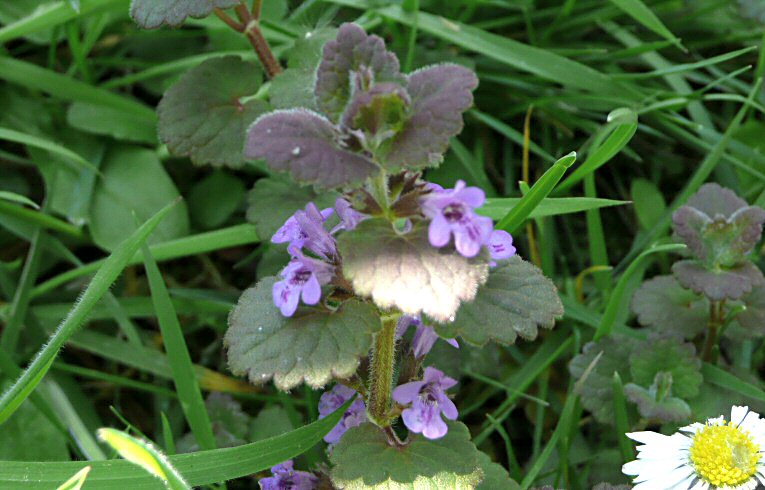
{"x":311,"y":291}
{"x":439,"y":231}
{"x":408,"y":392}
{"x":472,"y":196}
{"x":448,"y":408}
{"x":435,"y":429}
{"x":354,"y":416}
{"x":453,"y":343}
{"x":413,"y":420}
{"x":501,"y":245}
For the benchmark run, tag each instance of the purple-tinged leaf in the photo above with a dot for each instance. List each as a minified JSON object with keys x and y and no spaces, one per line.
{"x":308,"y":146}
{"x":151,"y":14}
{"x":713,"y":199}
{"x":688,"y":224}
{"x":664,"y":306}
{"x":352,"y":61}
{"x":201,"y":115}
{"x":668,"y":409}
{"x":378,"y":113}
{"x":440,"y":94}
{"x":718,"y":284}
{"x":753,"y":318}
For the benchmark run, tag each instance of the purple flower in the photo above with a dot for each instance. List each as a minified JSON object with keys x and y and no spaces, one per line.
{"x":424,"y":338}
{"x":428,"y":403}
{"x":500,"y":246}
{"x":306,"y":229}
{"x":451,"y":212}
{"x":286,"y":478}
{"x":303,"y":277}
{"x":335,"y":398}
{"x":349,"y":217}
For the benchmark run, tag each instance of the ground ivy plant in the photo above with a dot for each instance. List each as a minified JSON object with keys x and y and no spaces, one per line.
{"x":373,"y":265}
{"x":716,"y":291}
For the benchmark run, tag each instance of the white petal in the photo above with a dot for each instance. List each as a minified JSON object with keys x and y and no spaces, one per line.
{"x":700,"y":485}
{"x":737,"y":414}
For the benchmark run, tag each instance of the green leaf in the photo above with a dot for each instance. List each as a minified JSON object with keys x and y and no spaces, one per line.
{"x":497,"y":208}
{"x":648,"y":202}
{"x":515,"y":301}
{"x":495,"y":477}
{"x":313,"y":346}
{"x":105,"y":120}
{"x":406,"y":272}
{"x":274,"y":199}
{"x":98,"y":286}
{"x":641,"y":13}
{"x":230,"y":424}
{"x":609,"y":356}
{"x":202,"y":468}
{"x":651,"y":406}
{"x":271,"y":421}
{"x":133,"y":181}
{"x":718,"y":284}
{"x":77,"y":481}
{"x":215,"y":198}
{"x":752,"y":319}
{"x":18,"y":198}
{"x":671,"y":356}
{"x":344,"y":59}
{"x":541,"y":188}
{"x":29,"y":436}
{"x":204,"y":116}
{"x":662,"y":304}
{"x":145,"y":455}
{"x":151,"y":14}
{"x":620,"y":127}
{"x":448,"y":462}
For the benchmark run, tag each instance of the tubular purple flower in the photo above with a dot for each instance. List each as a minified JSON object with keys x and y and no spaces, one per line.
{"x":500,"y":246}
{"x":424,"y":338}
{"x":305,"y":229}
{"x":286,"y":478}
{"x":303,"y":278}
{"x":428,"y":402}
{"x":349,"y":217}
{"x":335,"y":398}
{"x":451,"y":213}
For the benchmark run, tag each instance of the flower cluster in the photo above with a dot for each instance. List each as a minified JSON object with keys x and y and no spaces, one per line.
{"x":452,"y":212}
{"x":427,"y":401}
{"x":286,"y":478}
{"x":334,"y":399}
{"x":304,"y":276}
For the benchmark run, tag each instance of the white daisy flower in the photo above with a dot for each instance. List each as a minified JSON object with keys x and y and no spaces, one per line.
{"x":718,"y":455}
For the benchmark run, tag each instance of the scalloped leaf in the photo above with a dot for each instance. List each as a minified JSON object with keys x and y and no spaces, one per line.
{"x":668,"y":355}
{"x":151,"y":14}
{"x":668,"y":409}
{"x":230,"y":424}
{"x":274,"y":199}
{"x":596,"y":392}
{"x":663,"y":305}
{"x":406,"y":272}
{"x":313,"y":346}
{"x":495,"y":477}
{"x":201,"y":116}
{"x":306,"y":145}
{"x":515,"y":301}
{"x":439,"y":95}
{"x":449,"y":462}
{"x":712,"y":199}
{"x":352,"y":59}
{"x":718,"y":284}
{"x":753,"y":318}
{"x":720,"y":241}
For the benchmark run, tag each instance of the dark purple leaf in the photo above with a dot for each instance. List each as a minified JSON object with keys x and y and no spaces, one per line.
{"x":440,"y":94}
{"x":713,"y":199}
{"x":308,"y":146}
{"x":718,"y":284}
{"x":352,"y":61}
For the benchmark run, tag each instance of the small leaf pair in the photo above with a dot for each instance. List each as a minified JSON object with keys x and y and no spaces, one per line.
{"x":371,"y":115}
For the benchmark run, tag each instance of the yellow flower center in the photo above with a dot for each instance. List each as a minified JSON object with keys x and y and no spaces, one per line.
{"x":724,"y":455}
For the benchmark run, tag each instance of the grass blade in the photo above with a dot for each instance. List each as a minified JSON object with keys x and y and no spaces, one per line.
{"x":641,"y":13}
{"x":516,"y":216}
{"x":178,"y":355}
{"x":497,"y":208}
{"x":199,"y":468}
{"x":620,"y":419}
{"x":100,"y":284}
{"x":18,"y":198}
{"x":42,"y":143}
{"x":75,"y":482}
{"x":145,"y":455}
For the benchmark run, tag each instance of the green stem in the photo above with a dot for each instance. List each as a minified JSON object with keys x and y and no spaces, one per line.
{"x":379,"y":190}
{"x":715,"y":322}
{"x":381,"y":379}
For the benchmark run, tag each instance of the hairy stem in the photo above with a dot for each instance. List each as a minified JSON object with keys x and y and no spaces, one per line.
{"x":381,"y":378}
{"x":262,"y":49}
{"x":716,"y":320}
{"x":228,"y":20}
